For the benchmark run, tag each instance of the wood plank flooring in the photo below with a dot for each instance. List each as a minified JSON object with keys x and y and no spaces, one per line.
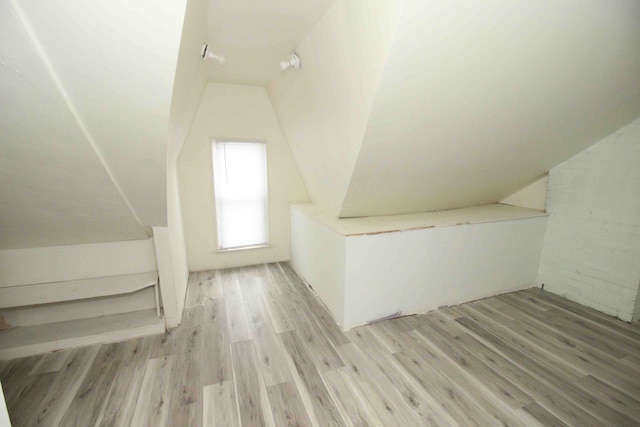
{"x":257,"y":348}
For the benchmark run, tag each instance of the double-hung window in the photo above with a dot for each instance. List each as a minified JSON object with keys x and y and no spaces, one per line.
{"x":242,"y":206}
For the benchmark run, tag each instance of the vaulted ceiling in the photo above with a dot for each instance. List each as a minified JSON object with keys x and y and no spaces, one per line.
{"x":400,"y":106}
{"x":255,"y":35}
{"x":467,"y":103}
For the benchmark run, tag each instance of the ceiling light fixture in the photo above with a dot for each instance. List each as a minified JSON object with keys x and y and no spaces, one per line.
{"x":205,"y":53}
{"x":293,"y":62}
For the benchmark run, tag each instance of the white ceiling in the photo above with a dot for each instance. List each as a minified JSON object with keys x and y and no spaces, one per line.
{"x":256,"y":35}
{"x":478,"y":99}
{"x":85,"y":92}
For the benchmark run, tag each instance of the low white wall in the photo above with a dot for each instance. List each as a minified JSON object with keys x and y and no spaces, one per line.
{"x":365,"y":277}
{"x":62,"y":263}
{"x":419,"y":270}
{"x":318,"y":256}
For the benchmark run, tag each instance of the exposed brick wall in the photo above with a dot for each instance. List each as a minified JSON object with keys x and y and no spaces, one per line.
{"x":591,"y":251}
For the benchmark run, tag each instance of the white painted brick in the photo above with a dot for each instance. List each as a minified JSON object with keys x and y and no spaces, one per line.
{"x":591,"y":250}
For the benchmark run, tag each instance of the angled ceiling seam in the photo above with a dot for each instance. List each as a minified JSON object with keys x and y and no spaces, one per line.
{"x":69,"y":103}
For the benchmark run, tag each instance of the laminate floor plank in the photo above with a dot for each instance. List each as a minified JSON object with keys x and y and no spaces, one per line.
{"x":26,"y":404}
{"x":195,"y":288}
{"x":270,"y":356}
{"x":323,"y":318}
{"x":418,"y":400}
{"x":216,"y":357}
{"x":351,"y":404}
{"x":379,"y":393}
{"x":14,"y":378}
{"x":256,"y":312}
{"x":544,"y":395}
{"x":592,"y":359}
{"x":248,"y":388}
{"x":213,"y":286}
{"x":279,"y":314}
{"x":120,"y":403}
{"x":257,"y":347}
{"x":500,"y":386}
{"x":546,"y":360}
{"x":220,"y":405}
{"x":598,"y":409}
{"x":87,"y":404}
{"x":444,"y":323}
{"x":237,"y":319}
{"x":630,"y":342}
{"x":490,"y":404}
{"x":614,"y":325}
{"x":613,"y":397}
{"x":152,"y":407}
{"x":545,"y":417}
{"x":185,"y":402}
{"x":464,"y":411}
{"x":320,"y":348}
{"x":277,"y":278}
{"x":62,"y":392}
{"x":50,"y":362}
{"x":609,"y":344}
{"x":286,"y":405}
{"x":323,"y":407}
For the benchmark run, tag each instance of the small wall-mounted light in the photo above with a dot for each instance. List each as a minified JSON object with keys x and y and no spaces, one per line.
{"x":205,"y":53}
{"x":293,"y":62}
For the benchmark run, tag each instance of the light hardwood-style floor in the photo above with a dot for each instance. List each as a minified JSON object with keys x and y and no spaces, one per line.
{"x":256,"y":347}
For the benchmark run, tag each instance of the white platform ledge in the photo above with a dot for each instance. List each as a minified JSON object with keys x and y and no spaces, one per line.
{"x":417,"y":221}
{"x":39,"y":339}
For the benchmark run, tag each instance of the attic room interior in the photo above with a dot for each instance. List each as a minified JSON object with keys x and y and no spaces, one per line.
{"x":320,"y":213}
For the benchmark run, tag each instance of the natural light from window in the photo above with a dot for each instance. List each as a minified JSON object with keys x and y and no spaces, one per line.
{"x":240,"y":180}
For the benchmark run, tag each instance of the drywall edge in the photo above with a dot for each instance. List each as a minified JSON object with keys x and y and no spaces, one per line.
{"x":318,"y":257}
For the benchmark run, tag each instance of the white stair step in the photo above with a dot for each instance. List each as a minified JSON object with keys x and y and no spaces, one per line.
{"x":39,"y":339}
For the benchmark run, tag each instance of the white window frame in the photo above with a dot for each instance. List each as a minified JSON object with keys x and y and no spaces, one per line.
{"x":265,"y":244}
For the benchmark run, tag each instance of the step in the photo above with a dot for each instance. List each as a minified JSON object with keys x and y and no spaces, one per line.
{"x":39,"y":339}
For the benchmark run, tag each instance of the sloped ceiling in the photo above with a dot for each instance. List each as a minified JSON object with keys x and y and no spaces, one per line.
{"x":476,"y":100}
{"x":255,"y":35}
{"x":85,"y":92}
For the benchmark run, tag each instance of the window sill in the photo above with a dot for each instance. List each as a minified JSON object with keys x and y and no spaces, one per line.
{"x":243,"y":248}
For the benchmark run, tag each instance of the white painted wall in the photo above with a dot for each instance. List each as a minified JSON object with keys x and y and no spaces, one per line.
{"x":478,"y":99}
{"x":592,"y":245}
{"x":188,"y":88}
{"x":170,"y":293}
{"x":318,"y":256}
{"x":235,"y":112}
{"x":532,"y":196}
{"x":421,"y":270}
{"x":62,"y":263}
{"x":323,"y":108}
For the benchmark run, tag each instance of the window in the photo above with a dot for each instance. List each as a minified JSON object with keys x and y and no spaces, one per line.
{"x":240,"y":179}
